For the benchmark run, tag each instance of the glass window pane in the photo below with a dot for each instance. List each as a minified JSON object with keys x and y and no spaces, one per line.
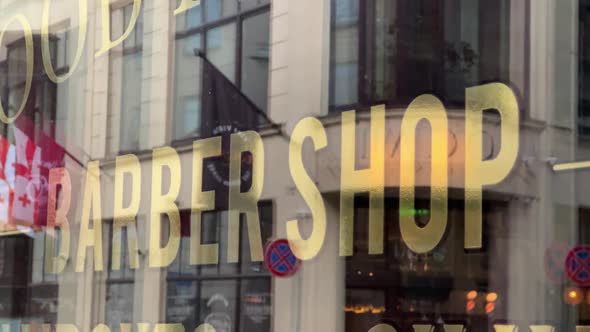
{"x":436,"y":47}
{"x":218,"y":304}
{"x":131,"y":102}
{"x":191,"y":18}
{"x":217,"y":9}
{"x":250,"y":4}
{"x":345,"y":11}
{"x":119,"y":298}
{"x":182,"y":302}
{"x":221,"y":49}
{"x":255,"y":59}
{"x":16,"y":65}
{"x":255,"y":305}
{"x":187,"y":89}
{"x":344,"y":63}
{"x":194,"y":17}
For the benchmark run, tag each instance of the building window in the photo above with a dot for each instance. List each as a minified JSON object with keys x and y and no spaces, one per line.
{"x":119,"y":283}
{"x":390,"y":52}
{"x":40,"y":106}
{"x":234,"y":36}
{"x":125,"y":76}
{"x":402,"y":286}
{"x":584,"y":71}
{"x":231,"y":297}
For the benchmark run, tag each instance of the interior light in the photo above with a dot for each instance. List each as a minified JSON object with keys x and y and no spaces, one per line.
{"x":492,"y":297}
{"x":573,"y":296}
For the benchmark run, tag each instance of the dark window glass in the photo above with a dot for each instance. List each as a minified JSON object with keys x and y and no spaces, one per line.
{"x":392,"y":51}
{"x":255,"y":58}
{"x":237,"y":49}
{"x":584,"y":72}
{"x":231,"y":297}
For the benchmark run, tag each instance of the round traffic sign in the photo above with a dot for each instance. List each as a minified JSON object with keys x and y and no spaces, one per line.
{"x":577,"y":265}
{"x":280,"y":259}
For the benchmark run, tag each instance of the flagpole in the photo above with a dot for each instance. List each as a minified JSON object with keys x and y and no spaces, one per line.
{"x":76,"y":160}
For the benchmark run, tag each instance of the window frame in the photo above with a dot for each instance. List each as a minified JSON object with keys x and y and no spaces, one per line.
{"x":365,"y":85}
{"x":238,"y":277}
{"x":40,"y":82}
{"x":122,"y":52}
{"x":238,"y":19}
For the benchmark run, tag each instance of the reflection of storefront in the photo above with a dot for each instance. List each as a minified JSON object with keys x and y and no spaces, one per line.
{"x":181,"y":78}
{"x":26,"y":290}
{"x":436,"y":287}
{"x":15,"y":276}
{"x":120,"y":283}
{"x":230,"y":297}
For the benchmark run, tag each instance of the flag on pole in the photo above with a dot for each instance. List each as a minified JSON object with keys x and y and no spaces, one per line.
{"x":52,"y":156}
{"x":226,"y":111}
{"x":7,"y":160}
{"x":34,"y":159}
{"x":27,"y":185}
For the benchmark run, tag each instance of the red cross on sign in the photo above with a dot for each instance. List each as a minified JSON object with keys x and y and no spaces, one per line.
{"x":24,"y":199}
{"x":577,"y":265}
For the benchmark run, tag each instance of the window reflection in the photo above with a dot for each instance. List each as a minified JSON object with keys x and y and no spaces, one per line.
{"x":243,"y":62}
{"x":392,"y":51}
{"x":125,"y":75}
{"x":228,"y":296}
{"x":120,"y":293}
{"x":187,"y":87}
{"x":221,"y":49}
{"x":217,"y":9}
{"x":255,"y":58}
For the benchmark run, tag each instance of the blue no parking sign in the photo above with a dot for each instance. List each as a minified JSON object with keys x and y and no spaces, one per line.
{"x":577,"y":265}
{"x":280,"y":259}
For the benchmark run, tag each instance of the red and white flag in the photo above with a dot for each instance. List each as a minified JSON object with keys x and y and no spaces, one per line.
{"x":27,"y":184}
{"x":7,"y":160}
{"x":52,"y":156}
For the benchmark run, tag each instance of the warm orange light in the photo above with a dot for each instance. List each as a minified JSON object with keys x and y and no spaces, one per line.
{"x":471,"y":295}
{"x":363,"y":309}
{"x":492,"y":297}
{"x":470,"y":305}
{"x":573,"y":296}
{"x":490,"y":307}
